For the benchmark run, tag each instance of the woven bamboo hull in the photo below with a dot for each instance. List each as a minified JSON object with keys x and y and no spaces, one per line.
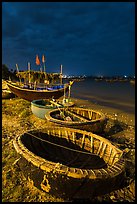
{"x":70,"y":163}
{"x":82,"y":118}
{"x":31,"y":95}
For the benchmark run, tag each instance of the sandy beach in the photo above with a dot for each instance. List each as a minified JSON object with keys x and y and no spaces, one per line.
{"x":18,"y":118}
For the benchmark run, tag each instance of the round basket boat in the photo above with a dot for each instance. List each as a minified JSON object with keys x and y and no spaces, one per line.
{"x":40,"y":107}
{"x":70,"y":163}
{"x":79,"y":118}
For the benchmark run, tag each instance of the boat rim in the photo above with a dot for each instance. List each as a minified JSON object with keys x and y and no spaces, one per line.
{"x":51,"y":119}
{"x":36,"y":91}
{"x":73,"y":172}
{"x":33,"y":103}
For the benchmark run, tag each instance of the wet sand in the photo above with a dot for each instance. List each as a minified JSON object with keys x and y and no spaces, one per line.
{"x":18,"y":118}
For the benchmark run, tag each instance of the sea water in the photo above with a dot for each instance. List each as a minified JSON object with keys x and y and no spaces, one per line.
{"x":120,"y":95}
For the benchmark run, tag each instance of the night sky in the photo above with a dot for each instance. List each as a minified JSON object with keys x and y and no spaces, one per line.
{"x":91,"y":38}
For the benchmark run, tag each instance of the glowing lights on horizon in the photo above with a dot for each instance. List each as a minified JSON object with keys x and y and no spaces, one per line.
{"x":73,"y":76}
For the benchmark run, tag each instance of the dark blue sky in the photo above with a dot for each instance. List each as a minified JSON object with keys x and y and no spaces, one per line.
{"x":92,"y":38}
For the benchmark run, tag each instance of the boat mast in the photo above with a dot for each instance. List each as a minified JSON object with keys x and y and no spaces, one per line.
{"x":61,"y":73}
{"x":29,"y":71}
{"x":70,"y":84}
{"x":38,"y":62}
{"x":69,"y":91}
{"x":64,"y":98}
{"x":17,"y":68}
{"x":43,"y":60}
{"x":18,"y":72}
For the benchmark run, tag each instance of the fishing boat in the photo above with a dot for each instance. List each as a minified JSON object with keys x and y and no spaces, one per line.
{"x":32,"y":89}
{"x":40,"y":107}
{"x":79,"y":118}
{"x":31,"y":93}
{"x":70,"y":163}
{"x":7,"y":94}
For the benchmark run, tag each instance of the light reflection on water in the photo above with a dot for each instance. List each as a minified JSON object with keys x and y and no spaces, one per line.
{"x":115,"y":94}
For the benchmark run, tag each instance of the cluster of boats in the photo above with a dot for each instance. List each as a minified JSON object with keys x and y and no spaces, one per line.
{"x":67,"y":158}
{"x":112,"y":80}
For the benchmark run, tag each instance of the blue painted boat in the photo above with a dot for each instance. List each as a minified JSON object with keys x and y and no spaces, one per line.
{"x":40,"y":107}
{"x":31,"y":94}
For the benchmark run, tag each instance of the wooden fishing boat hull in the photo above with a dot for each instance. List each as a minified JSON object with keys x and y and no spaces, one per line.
{"x":30,"y":95}
{"x":70,"y":163}
{"x":7,"y":94}
{"x":41,"y":107}
{"x":86,"y":119}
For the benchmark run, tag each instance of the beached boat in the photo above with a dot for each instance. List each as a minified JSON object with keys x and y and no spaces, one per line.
{"x":40,"y":107}
{"x":76,"y":117}
{"x":7,"y":94}
{"x":70,"y":163}
{"x":47,"y":92}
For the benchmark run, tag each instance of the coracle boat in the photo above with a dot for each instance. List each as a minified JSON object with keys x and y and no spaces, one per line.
{"x":40,"y":107}
{"x":70,"y":163}
{"x":30,"y":94}
{"x":79,"y":118}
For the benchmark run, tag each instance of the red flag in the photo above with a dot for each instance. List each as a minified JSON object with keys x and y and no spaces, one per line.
{"x":43,"y":58}
{"x":37,"y":60}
